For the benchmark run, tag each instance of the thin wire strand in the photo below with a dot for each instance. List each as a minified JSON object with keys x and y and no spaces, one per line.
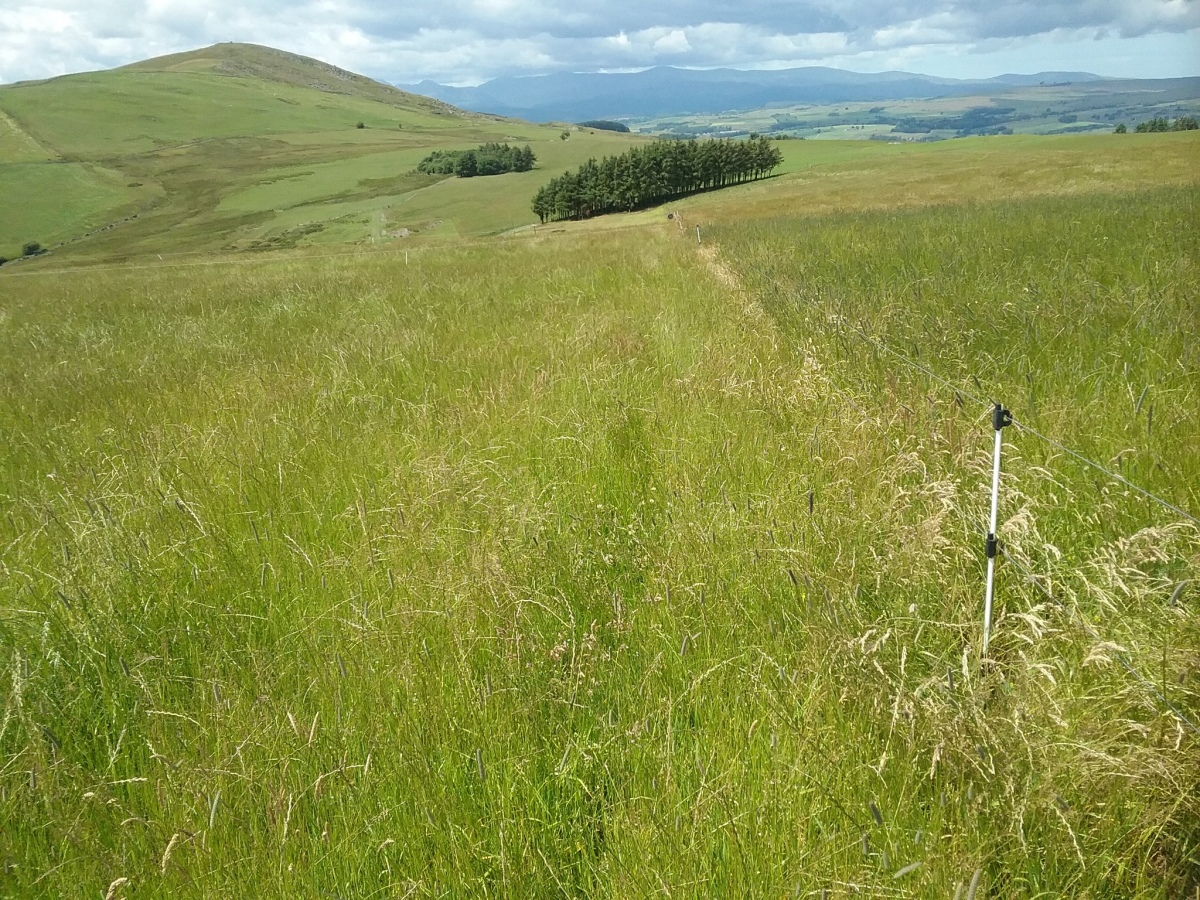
{"x":833,"y":320}
{"x":1116,"y":476}
{"x":963,"y":392}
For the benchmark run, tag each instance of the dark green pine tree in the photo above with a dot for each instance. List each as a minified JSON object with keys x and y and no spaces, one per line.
{"x":654,"y":173}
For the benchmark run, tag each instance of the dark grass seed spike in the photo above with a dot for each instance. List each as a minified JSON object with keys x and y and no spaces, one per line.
{"x":1178,"y":592}
{"x":974,"y":884}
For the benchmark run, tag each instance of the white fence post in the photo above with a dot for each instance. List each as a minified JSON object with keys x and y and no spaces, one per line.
{"x":1000,"y":418}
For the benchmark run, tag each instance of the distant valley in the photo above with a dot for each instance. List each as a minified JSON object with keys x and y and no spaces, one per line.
{"x":816,"y":101}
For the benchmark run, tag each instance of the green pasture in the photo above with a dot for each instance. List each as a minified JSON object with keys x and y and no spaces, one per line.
{"x":16,"y":146}
{"x":822,"y":177}
{"x":1035,"y":109}
{"x":826,"y":177}
{"x":135,"y":112}
{"x":289,"y":186}
{"x":52,"y":201}
{"x":1051,"y":306}
{"x":590,"y":561}
{"x":333,"y":191}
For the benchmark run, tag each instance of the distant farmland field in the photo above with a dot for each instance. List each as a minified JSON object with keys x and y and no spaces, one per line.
{"x":596,"y":563}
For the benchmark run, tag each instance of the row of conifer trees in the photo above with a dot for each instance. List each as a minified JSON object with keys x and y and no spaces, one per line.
{"x":653,"y":174}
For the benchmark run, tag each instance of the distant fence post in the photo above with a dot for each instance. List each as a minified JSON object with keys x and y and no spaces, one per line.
{"x":1000,"y":418}
{"x":697,"y":234}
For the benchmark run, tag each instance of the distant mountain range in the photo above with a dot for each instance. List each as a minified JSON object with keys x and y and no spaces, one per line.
{"x":665,"y":91}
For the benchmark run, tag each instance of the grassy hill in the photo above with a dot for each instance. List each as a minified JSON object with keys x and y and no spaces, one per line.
{"x":280,"y":67}
{"x":239,"y":146}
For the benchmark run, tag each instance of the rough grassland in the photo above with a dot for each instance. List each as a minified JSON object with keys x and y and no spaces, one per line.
{"x":830,"y":177}
{"x":599,"y":565}
{"x":58,"y":200}
{"x":822,"y":177}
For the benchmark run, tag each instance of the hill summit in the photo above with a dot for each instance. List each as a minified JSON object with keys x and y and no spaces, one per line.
{"x":281,"y":67}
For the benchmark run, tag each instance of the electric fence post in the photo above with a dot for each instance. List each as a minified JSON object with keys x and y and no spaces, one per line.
{"x":1000,"y":418}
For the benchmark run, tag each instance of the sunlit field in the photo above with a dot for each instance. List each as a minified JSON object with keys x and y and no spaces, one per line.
{"x":602,"y":564}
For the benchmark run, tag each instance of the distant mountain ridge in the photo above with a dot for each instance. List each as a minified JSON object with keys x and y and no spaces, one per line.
{"x":666,"y":90}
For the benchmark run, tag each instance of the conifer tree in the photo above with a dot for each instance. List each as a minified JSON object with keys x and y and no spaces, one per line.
{"x":654,"y":173}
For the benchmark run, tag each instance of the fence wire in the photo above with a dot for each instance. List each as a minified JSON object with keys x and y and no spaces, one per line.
{"x":961,"y":392}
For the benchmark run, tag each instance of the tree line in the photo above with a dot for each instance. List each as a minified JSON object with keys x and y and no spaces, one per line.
{"x":644,"y":176}
{"x":486,"y":159}
{"x":1161,"y":123}
{"x":605,"y":125}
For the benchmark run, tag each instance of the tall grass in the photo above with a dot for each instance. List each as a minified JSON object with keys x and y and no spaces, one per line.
{"x":552,"y":568}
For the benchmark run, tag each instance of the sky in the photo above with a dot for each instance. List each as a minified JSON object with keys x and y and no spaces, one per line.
{"x":469,"y":41}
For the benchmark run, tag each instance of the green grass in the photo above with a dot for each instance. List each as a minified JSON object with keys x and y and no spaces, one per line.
{"x":289,"y":186}
{"x":829,"y":177}
{"x":130,"y":112}
{"x":1057,"y":308}
{"x":18,"y":147}
{"x":59,"y":200}
{"x":589,"y":562}
{"x":594,"y":564}
{"x":360,"y":186}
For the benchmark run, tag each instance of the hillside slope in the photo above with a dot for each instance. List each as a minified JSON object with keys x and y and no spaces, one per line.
{"x":238,"y":146}
{"x":279,"y":66}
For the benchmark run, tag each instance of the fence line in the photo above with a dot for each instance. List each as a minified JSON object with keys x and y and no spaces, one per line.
{"x":1030,"y":576}
{"x":960,"y":392}
{"x":1116,"y":476}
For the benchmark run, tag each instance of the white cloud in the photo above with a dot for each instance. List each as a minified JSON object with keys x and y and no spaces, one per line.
{"x":674,"y":41}
{"x":620,"y":41}
{"x":919,"y":32}
{"x":471,"y":40}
